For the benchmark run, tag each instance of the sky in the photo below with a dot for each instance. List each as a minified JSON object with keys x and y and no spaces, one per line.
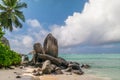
{"x":80,"y":26}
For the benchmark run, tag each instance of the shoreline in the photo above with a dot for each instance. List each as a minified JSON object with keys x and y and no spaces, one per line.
{"x":26,"y":74}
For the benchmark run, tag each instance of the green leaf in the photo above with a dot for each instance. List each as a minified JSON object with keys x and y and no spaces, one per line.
{"x":10,"y":14}
{"x":20,"y":15}
{"x":20,"y":6}
{"x":17,"y":23}
{"x":2,"y":7}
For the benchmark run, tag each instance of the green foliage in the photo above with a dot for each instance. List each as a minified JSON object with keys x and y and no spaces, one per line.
{"x":11,"y":14}
{"x":8,"y":57}
{"x":1,"y":33}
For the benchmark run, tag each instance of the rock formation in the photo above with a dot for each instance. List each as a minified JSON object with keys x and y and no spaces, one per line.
{"x":51,"y":45}
{"x":48,"y":61}
{"x":38,"y":50}
{"x":5,"y":41}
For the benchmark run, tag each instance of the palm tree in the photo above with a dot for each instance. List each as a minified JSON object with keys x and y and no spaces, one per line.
{"x":10,"y":14}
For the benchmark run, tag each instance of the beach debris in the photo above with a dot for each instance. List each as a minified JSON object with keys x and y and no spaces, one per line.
{"x":51,"y":45}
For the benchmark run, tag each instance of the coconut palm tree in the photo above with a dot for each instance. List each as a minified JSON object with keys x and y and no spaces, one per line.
{"x":11,"y":14}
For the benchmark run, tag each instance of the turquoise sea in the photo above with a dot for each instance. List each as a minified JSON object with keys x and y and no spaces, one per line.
{"x":102,"y":65}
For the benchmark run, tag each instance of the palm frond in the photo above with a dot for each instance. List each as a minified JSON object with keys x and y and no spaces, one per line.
{"x":10,"y":14}
{"x":17,"y":23}
{"x":20,"y":6}
{"x":2,"y":7}
{"x":14,"y":3}
{"x":9,"y":25}
{"x":20,"y":15}
{"x":6,"y":2}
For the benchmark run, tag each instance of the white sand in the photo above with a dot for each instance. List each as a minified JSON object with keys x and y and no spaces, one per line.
{"x":65,"y":76}
{"x":11,"y":75}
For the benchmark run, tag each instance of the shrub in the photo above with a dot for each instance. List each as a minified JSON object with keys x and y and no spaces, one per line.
{"x":8,"y":57}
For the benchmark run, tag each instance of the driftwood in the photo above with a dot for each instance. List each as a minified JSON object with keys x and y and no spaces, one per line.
{"x":56,"y":61}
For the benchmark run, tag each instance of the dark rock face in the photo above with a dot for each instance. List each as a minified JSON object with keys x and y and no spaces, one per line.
{"x":5,"y":41}
{"x":51,"y":45}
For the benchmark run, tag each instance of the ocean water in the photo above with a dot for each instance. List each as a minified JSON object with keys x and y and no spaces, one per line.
{"x":102,"y":65}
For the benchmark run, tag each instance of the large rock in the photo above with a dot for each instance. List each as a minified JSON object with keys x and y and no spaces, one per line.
{"x":51,"y":45}
{"x":5,"y":41}
{"x":75,"y":68}
{"x":38,"y":50}
{"x":47,"y":67}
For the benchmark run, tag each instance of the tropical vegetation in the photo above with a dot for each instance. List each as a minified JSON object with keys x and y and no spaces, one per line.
{"x":10,"y":17}
{"x":8,"y":57}
{"x":10,"y":14}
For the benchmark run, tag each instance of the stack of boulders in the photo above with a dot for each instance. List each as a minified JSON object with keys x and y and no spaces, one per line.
{"x":46,"y":58}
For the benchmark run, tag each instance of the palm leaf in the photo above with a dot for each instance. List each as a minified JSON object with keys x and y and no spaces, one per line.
{"x":10,"y":14}
{"x":3,"y":18}
{"x":20,"y":6}
{"x":6,"y":2}
{"x":20,"y":15}
{"x":9,"y":25}
{"x":14,"y":3}
{"x":17,"y":23}
{"x":2,"y":7}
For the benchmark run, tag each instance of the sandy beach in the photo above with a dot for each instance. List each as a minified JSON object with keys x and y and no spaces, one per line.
{"x":26,"y":74}
{"x":10,"y":74}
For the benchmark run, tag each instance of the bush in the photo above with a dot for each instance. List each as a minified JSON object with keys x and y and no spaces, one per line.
{"x":8,"y":57}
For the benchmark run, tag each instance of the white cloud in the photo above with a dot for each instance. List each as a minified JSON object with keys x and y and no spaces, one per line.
{"x":98,"y":23}
{"x":33,"y":23}
{"x":23,"y":43}
{"x":27,"y":41}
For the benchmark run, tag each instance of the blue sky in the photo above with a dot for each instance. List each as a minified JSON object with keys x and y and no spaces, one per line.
{"x":80,"y":26}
